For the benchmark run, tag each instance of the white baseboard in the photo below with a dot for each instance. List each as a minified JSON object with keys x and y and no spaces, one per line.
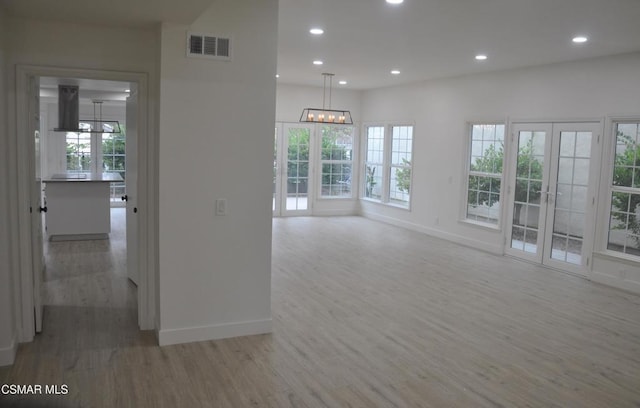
{"x":8,"y":354}
{"x":616,"y":282}
{"x":218,"y":331}
{"x":334,"y":213}
{"x":458,"y":239}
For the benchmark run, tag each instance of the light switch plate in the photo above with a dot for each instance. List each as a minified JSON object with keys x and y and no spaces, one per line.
{"x":221,"y":206}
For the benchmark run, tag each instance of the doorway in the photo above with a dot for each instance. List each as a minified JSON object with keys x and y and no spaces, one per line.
{"x":27,"y":198}
{"x":78,"y":267}
{"x":293,"y":183}
{"x":552,"y":189}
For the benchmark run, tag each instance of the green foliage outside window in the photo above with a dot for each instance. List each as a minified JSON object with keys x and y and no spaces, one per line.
{"x":529,"y":169}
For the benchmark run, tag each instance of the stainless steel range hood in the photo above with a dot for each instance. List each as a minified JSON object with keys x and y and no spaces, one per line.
{"x":68,"y":108}
{"x":69,"y":114}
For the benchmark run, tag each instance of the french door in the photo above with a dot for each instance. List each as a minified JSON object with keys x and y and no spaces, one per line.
{"x":552,"y":193}
{"x":292,"y":170}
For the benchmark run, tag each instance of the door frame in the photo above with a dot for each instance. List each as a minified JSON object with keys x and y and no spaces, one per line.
{"x":282,"y":164}
{"x":147,"y":182}
{"x":589,"y":239}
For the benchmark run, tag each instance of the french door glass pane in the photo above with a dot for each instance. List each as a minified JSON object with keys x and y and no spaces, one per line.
{"x":298,"y":168}
{"x":526,"y":210}
{"x":571,"y":196}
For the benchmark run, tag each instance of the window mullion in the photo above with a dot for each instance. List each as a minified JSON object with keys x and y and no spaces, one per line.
{"x":386,"y":165}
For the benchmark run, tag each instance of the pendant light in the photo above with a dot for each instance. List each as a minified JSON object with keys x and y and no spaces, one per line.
{"x":326,"y":114}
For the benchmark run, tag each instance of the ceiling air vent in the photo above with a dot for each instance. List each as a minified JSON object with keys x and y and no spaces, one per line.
{"x":208,"y":46}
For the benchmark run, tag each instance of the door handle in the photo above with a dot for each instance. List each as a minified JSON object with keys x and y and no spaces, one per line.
{"x":125,"y":198}
{"x":42,"y":209}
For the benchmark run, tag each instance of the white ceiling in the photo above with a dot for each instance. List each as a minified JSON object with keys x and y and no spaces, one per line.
{"x":135,"y":13}
{"x":424,"y":39}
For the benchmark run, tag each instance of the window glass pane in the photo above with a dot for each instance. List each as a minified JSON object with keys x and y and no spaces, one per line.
{"x":402,"y":144}
{"x":78,"y":152}
{"x":485,"y":165}
{"x":624,"y":225}
{"x":627,"y":156}
{"x":336,"y":160}
{"x":400,"y":175}
{"x":483,"y":200}
{"x":375,"y":144}
{"x":373,"y":181}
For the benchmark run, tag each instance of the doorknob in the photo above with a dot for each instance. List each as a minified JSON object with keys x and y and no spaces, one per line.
{"x":125,"y":198}
{"x":42,"y":209}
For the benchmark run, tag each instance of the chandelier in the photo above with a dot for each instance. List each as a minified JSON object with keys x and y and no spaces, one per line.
{"x":326,"y":114}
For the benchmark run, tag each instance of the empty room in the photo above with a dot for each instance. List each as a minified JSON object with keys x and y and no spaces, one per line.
{"x":360,"y":203}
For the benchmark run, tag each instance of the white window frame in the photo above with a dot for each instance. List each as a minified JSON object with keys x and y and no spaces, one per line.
{"x":607,"y":179}
{"x":468,"y":173}
{"x":386,"y":165}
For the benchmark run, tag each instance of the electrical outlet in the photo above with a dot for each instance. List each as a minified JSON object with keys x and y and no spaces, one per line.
{"x":221,"y":206}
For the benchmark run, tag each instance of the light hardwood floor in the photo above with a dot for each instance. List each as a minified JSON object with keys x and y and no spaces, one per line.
{"x":365,"y":315}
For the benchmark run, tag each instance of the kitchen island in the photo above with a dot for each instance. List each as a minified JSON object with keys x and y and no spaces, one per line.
{"x":78,"y":205}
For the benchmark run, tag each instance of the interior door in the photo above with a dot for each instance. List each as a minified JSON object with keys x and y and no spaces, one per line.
{"x":131,"y":183}
{"x":296,"y":182}
{"x":552,"y":193}
{"x":36,"y":199}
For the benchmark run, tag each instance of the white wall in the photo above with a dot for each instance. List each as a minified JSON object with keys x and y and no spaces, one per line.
{"x":216,"y":141}
{"x":7,"y":324}
{"x":441,"y":109}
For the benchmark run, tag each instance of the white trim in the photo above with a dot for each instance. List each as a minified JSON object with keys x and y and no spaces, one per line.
{"x":8,"y":354}
{"x":616,"y":282}
{"x":515,"y":121}
{"x":621,"y":257}
{"x":482,"y":225}
{"x":214,"y":332}
{"x":342,"y":212}
{"x":147,"y":176}
{"x":458,"y":239}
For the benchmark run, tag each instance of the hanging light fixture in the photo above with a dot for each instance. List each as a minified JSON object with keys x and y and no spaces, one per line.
{"x":326,"y":114}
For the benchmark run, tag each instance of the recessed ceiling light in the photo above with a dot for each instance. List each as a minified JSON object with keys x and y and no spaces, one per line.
{"x":580,"y":39}
{"x":316,"y":31}
{"x":395,"y":1}
{"x":395,"y":72}
{"x":481,"y":57}
{"x":277,"y":75}
{"x":342,"y":82}
{"x":127,"y":90}
{"x":317,"y":62}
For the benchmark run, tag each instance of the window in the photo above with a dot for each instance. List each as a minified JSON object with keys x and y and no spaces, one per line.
{"x":388,"y":164}
{"x":400,"y":181}
{"x":79,"y":157}
{"x":336,"y":161}
{"x":624,"y":220}
{"x":113,"y":161}
{"x":486,"y":156}
{"x":374,"y":163}
{"x":84,"y":155}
